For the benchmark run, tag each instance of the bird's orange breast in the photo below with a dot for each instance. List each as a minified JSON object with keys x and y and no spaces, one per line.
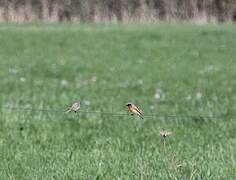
{"x":130,"y":108}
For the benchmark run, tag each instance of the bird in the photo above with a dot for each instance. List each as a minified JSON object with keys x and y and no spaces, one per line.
{"x":164,"y":134}
{"x":74,"y":107}
{"x":134,"y":110}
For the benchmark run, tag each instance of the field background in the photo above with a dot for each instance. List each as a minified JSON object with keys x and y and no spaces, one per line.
{"x":181,"y":70}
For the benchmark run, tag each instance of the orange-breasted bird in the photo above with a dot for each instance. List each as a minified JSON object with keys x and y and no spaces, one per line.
{"x":164,"y":134}
{"x":74,"y":107}
{"x":134,"y":110}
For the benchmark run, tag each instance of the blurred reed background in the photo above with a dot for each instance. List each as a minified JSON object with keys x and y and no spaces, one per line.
{"x":127,"y":11}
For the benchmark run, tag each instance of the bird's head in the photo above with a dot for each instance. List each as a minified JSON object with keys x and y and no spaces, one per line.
{"x":128,"y":104}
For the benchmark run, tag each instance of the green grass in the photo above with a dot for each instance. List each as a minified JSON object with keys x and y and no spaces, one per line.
{"x":106,"y":66}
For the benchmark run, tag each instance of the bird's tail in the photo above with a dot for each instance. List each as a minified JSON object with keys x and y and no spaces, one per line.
{"x":141,"y":116}
{"x":69,"y":110}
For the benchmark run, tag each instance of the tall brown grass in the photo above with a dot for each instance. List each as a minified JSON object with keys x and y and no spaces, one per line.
{"x":141,"y":11}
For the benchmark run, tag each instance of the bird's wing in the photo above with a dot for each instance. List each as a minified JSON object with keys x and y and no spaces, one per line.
{"x":73,"y":106}
{"x":138,"y":110}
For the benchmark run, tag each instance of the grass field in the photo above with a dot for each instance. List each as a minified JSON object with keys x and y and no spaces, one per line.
{"x":184,"y":74}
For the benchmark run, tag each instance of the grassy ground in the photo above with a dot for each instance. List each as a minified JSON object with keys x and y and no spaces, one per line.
{"x":179,"y":70}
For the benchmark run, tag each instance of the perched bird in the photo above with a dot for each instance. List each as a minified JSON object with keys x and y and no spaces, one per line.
{"x":134,"y":110}
{"x":164,"y":134}
{"x":74,"y":107}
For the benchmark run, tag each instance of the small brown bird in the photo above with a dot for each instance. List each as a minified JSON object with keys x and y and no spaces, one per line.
{"x":164,"y":134}
{"x":134,"y":110}
{"x":74,"y":107}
